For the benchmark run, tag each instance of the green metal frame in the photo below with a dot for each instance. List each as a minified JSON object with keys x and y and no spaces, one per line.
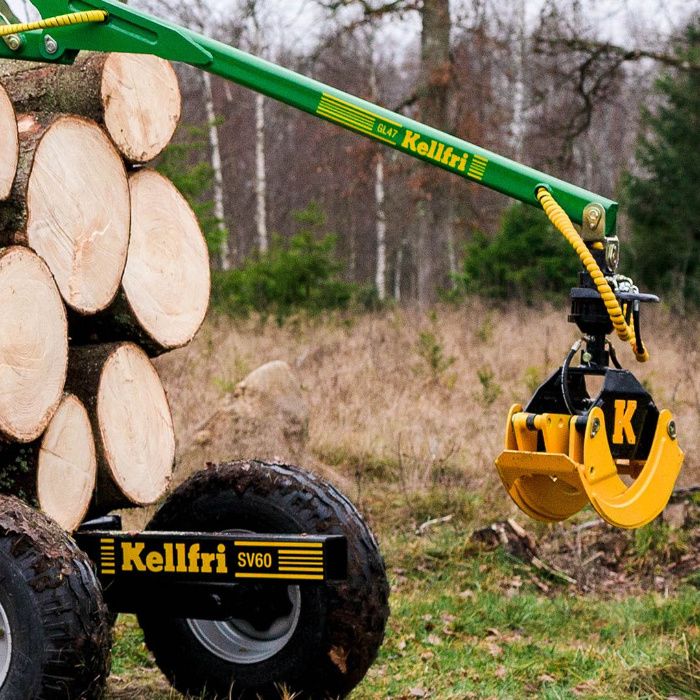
{"x":130,"y":31}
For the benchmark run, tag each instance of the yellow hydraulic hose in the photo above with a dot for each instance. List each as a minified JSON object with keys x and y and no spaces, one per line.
{"x":563,"y":224}
{"x":51,"y":22}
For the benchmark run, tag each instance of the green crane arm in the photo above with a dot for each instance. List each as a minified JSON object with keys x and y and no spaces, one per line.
{"x":129,"y":31}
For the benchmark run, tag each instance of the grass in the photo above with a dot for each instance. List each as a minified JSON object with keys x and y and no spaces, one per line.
{"x":406,"y":413}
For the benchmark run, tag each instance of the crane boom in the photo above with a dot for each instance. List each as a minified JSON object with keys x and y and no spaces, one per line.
{"x":128,"y":30}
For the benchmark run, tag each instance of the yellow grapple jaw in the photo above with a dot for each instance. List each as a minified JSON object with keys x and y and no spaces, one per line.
{"x":554,"y":464}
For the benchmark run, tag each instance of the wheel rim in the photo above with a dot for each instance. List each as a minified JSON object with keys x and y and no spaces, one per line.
{"x":240,"y":642}
{"x":5,"y":646}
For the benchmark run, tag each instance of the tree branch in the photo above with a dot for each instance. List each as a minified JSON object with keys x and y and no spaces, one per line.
{"x":551,"y":47}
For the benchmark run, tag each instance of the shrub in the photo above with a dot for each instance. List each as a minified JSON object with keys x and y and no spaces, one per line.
{"x":298,"y":274}
{"x":527,"y":260}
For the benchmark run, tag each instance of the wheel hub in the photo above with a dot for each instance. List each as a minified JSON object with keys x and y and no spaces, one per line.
{"x":243,"y":641}
{"x":5,"y":646}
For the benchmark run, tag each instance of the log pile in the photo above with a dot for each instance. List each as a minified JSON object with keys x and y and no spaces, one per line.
{"x":103,"y":266}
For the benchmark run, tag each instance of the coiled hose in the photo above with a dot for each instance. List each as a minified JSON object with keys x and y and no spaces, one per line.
{"x":87,"y":17}
{"x":563,"y":224}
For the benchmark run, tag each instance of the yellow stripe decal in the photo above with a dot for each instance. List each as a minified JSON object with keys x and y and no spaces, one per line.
{"x":310,"y":560}
{"x":478,"y":167}
{"x":295,"y":545}
{"x":339,"y":119}
{"x":348,"y":114}
{"x":308,"y":569}
{"x":339,"y":101}
{"x":301,"y":577}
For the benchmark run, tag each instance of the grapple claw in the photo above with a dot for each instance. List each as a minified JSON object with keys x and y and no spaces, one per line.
{"x":636,"y":504}
{"x":553,"y":466}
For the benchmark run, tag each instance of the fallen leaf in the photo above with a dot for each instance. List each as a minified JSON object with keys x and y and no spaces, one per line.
{"x":339,"y":657}
{"x":494,"y":649}
{"x":418,"y":692}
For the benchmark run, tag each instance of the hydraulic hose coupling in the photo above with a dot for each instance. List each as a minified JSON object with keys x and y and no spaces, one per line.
{"x":564,"y":225}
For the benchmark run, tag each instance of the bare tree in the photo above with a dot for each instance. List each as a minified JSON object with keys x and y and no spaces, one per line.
{"x":253,"y":11}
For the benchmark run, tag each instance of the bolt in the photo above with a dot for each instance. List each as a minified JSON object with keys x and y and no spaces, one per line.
{"x":672,"y":432}
{"x":50,"y":44}
{"x":13,"y":42}
{"x":593,"y":217}
{"x":595,"y":428}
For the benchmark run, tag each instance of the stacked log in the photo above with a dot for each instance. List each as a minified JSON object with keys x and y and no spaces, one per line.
{"x":104,"y":266}
{"x":9,"y":143}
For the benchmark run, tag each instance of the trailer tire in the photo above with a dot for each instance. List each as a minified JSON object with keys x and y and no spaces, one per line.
{"x":56,"y":638}
{"x":333,"y":631}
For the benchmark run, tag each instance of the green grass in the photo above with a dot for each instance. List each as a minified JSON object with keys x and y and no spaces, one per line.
{"x":472,"y":624}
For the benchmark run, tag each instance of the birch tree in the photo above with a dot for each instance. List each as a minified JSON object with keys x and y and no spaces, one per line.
{"x":217,"y":168}
{"x":379,"y":183}
{"x":253,"y":11}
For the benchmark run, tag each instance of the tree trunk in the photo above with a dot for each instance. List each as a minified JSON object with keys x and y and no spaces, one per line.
{"x":33,"y":345}
{"x":9,"y":143}
{"x":135,"y":97}
{"x":165,"y":289}
{"x":57,"y":473}
{"x":434,"y":92}
{"x":225,"y":254}
{"x":380,"y":225}
{"x":261,"y":174}
{"x":70,"y":203}
{"x":131,"y":422}
{"x":518,"y":126}
{"x":379,"y":186}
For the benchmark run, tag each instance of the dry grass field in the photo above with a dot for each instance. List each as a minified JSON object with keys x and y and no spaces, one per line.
{"x":419,"y":400}
{"x":406,"y":413}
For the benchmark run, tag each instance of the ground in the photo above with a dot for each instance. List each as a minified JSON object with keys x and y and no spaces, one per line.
{"x":406,"y":415}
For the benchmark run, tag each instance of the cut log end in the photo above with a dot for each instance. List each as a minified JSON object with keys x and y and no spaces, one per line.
{"x":67,"y":465}
{"x":9,"y":145}
{"x":78,"y":212}
{"x":135,"y":424}
{"x":33,"y":345}
{"x":142,"y":104}
{"x":167,"y":280}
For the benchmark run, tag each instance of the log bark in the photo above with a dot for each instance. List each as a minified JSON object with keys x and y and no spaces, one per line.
{"x":135,"y":97}
{"x":70,"y":203}
{"x":9,"y":144}
{"x":33,"y":345}
{"x":165,"y":289}
{"x":131,"y":421}
{"x":56,"y":474}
